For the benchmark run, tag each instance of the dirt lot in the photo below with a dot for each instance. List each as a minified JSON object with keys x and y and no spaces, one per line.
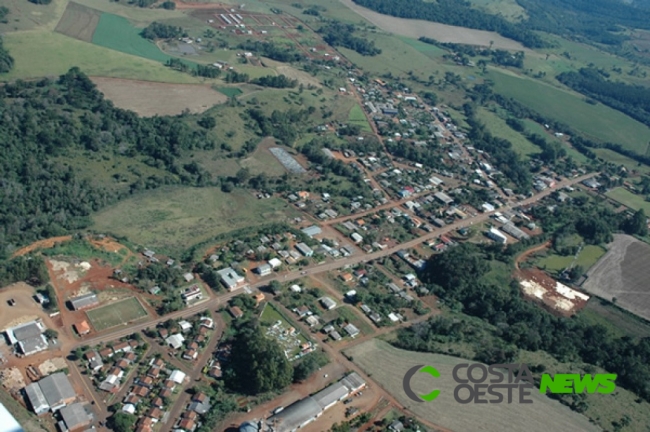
{"x":622,"y":274}
{"x":41,"y":244}
{"x":440,"y":32}
{"x":387,"y":366}
{"x":25,"y":309}
{"x":151,"y":98}
{"x":78,"y":22}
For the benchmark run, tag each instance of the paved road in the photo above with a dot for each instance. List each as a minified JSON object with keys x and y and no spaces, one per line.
{"x":214,"y":302}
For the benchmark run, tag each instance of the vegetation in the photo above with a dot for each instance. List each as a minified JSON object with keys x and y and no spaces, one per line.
{"x":30,"y":269}
{"x":272,"y":51}
{"x":338,"y":34}
{"x":6,"y":60}
{"x":156,"y":30}
{"x":122,"y":422}
{"x":308,"y":365}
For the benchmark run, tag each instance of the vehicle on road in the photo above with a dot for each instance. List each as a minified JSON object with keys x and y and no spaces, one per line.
{"x":11,"y":302}
{"x":277,"y":410}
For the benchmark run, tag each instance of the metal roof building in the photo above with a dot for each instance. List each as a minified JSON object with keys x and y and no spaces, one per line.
{"x":36,"y":399}
{"x":229,"y":278}
{"x":57,"y":390}
{"x":26,"y":331}
{"x":296,"y":415}
{"x":84,"y":301}
{"x":75,"y":416}
{"x":33,"y":345}
{"x":353,"y":382}
{"x":312,"y":230}
{"x":329,"y":396}
{"x":511,"y":229}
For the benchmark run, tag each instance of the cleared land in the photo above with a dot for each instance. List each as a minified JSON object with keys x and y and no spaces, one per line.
{"x":629,"y":199}
{"x":623,"y":274}
{"x":500,"y":129}
{"x":114,"y":314}
{"x":441,"y":32}
{"x":78,"y":22}
{"x":357,"y":117}
{"x":174,"y":218}
{"x":150,"y":98}
{"x":262,"y":161}
{"x":599,"y":122}
{"x":387,"y":366}
{"x":588,"y":256}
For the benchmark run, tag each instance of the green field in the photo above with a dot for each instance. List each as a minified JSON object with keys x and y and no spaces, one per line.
{"x":587,"y":258}
{"x":500,"y":129}
{"x":350,"y":315}
{"x":629,"y":199}
{"x":230,"y":91}
{"x":598,"y":122}
{"x":42,"y":53}
{"x":357,"y":117}
{"x":619,"y":159}
{"x":83,"y":250}
{"x":114,"y":314}
{"x":173,"y":218}
{"x":616,"y":320}
{"x":387,"y":365}
{"x":117,"y":33}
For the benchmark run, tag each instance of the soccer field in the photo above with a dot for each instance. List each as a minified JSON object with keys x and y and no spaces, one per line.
{"x":114,"y":314}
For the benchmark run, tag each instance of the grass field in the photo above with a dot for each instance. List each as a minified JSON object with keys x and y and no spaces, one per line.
{"x":83,"y":250}
{"x":616,"y":320}
{"x":174,"y":218}
{"x":42,"y":53}
{"x":599,"y":122}
{"x":262,"y":161}
{"x":500,"y":129}
{"x":78,"y":22}
{"x":589,"y":255}
{"x":387,"y":366}
{"x":357,"y":117}
{"x":230,"y":91}
{"x":114,"y":314}
{"x":350,"y":315}
{"x":619,"y":159}
{"x":117,"y":33}
{"x":629,"y":199}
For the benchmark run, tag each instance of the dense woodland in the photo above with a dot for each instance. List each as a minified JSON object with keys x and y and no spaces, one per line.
{"x":156,"y":30}
{"x":6,"y":60}
{"x":633,"y":100}
{"x":337,"y":34}
{"x":273,"y":51}
{"x":46,"y":120}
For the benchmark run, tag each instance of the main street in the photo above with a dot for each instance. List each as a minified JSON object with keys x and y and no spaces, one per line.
{"x":218,"y":300}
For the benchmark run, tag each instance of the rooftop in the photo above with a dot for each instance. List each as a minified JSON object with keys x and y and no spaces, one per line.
{"x":75,"y":416}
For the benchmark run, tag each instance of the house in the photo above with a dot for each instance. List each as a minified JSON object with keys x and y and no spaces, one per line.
{"x":264,"y":270}
{"x":192,"y":293}
{"x":94,"y":361}
{"x":295,"y":288}
{"x":230,"y":279}
{"x":190,"y":354}
{"x":259,"y":298}
{"x":128,"y":408}
{"x":275,"y":263}
{"x":158,"y":402}
{"x":396,"y":426}
{"x":346,"y":277}
{"x":312,"y":320}
{"x":487,"y":207}
{"x":140,"y":390}
{"x":236,"y":312}
{"x":187,"y":425}
{"x":122,"y":347}
{"x":85,"y":301}
{"x":327,"y":303}
{"x":185,"y":326}
{"x":154,"y":413}
{"x":312,"y":231}
{"x":177,"y":376}
{"x":351,"y":330}
{"x":302,"y":311}
{"x":200,"y":403}
{"x":132,"y":399}
{"x":175,"y":341}
{"x":356,"y":237}
{"x":443,"y":198}
{"x":153,"y":372}
{"x":497,"y":236}
{"x":304,"y":249}
{"x":106,"y":352}
{"x":189,"y":277}
{"x":207,"y":322}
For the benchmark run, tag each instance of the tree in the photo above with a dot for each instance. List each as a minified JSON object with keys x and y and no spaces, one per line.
{"x":637,"y":224}
{"x":257,"y":364}
{"x":207,"y":122}
{"x":242,"y":176}
{"x":51,"y":334}
{"x":122,"y":422}
{"x":308,"y":365}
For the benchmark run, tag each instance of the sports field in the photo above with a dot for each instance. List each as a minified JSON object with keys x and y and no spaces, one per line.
{"x":387,"y":365}
{"x":599,"y":122}
{"x":114,"y":314}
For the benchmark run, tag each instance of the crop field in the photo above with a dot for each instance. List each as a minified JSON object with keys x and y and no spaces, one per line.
{"x":589,"y":255}
{"x":387,"y":366}
{"x":599,"y":122}
{"x":174,"y":218}
{"x":117,"y":33}
{"x":629,"y":199}
{"x":357,"y":117}
{"x":42,"y":53}
{"x":500,"y":129}
{"x":114,"y":314}
{"x":230,"y":91}
{"x":622,"y":275}
{"x":78,"y":22}
{"x":151,"y":98}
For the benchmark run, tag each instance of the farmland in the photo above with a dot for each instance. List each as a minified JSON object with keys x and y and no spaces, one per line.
{"x":629,"y":199}
{"x":621,"y":276}
{"x":598,"y":122}
{"x":114,"y":314}
{"x":150,"y":98}
{"x":387,"y":365}
{"x":500,"y":129}
{"x":174,"y":218}
{"x":616,"y":320}
{"x":78,"y":22}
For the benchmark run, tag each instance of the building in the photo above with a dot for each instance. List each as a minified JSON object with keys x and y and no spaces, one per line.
{"x":327,"y":303}
{"x":175,"y":341}
{"x":497,"y":236}
{"x":443,"y":198}
{"x":487,"y":207}
{"x":50,"y":393}
{"x":312,"y":231}
{"x":264,"y":270}
{"x":177,"y":376}
{"x":85,"y":301}
{"x":28,"y":337}
{"x":351,"y":330}
{"x":304,"y":249}
{"x":275,"y":263}
{"x":189,"y":277}
{"x":82,"y":328}
{"x":356,"y":237}
{"x":236,"y":312}
{"x":511,"y":229}
{"x":230,"y":279}
{"x":75,"y":417}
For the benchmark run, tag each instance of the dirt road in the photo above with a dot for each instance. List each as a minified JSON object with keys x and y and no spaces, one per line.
{"x":41,"y":244}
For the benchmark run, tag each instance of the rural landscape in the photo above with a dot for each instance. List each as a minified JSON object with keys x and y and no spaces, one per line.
{"x":271,"y":216}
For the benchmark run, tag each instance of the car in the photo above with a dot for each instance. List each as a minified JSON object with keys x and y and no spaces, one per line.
{"x":347,"y":401}
{"x":277,"y":410}
{"x":11,"y":302}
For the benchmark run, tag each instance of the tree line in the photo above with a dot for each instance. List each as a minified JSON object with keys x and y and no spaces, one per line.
{"x":271,"y":50}
{"x":157,"y":30}
{"x":6,"y":60}
{"x":337,"y":34}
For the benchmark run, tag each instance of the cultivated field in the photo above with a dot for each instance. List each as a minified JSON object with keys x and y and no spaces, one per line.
{"x":174,"y":218}
{"x":118,"y":313}
{"x":441,"y":32}
{"x":623,"y":274}
{"x":150,"y":98}
{"x":78,"y":22}
{"x":629,"y":199}
{"x":387,"y":366}
{"x":599,"y":122}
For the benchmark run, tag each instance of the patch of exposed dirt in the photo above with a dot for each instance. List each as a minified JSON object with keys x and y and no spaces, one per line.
{"x":41,"y":244}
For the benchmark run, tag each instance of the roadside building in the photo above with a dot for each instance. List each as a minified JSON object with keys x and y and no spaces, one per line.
{"x":497,"y":236}
{"x":230,"y":279}
{"x":264,"y":270}
{"x":304,"y":249}
{"x":312,"y":231}
{"x":84,"y":302}
{"x":82,"y":328}
{"x":75,"y":417}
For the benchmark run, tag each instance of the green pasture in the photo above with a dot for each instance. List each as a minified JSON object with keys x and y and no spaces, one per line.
{"x":499,"y":128}
{"x":357,"y":117}
{"x":629,"y":199}
{"x":588,"y":256}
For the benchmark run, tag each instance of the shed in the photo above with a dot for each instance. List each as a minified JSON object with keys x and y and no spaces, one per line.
{"x":327,"y":303}
{"x":312,"y":230}
{"x":84,"y":301}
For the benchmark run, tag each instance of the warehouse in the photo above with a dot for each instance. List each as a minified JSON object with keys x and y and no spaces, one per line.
{"x":28,"y":337}
{"x":497,"y":236}
{"x":312,"y":230}
{"x":50,"y":393}
{"x":84,"y":301}
{"x":511,"y":229}
{"x":74,"y":417}
{"x":443,"y":198}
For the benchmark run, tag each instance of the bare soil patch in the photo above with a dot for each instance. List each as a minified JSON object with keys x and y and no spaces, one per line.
{"x":153,"y":98}
{"x":622,"y":275}
{"x":41,"y":244}
{"x":26,"y":309}
{"x":78,"y":22}
{"x":440,"y":32}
